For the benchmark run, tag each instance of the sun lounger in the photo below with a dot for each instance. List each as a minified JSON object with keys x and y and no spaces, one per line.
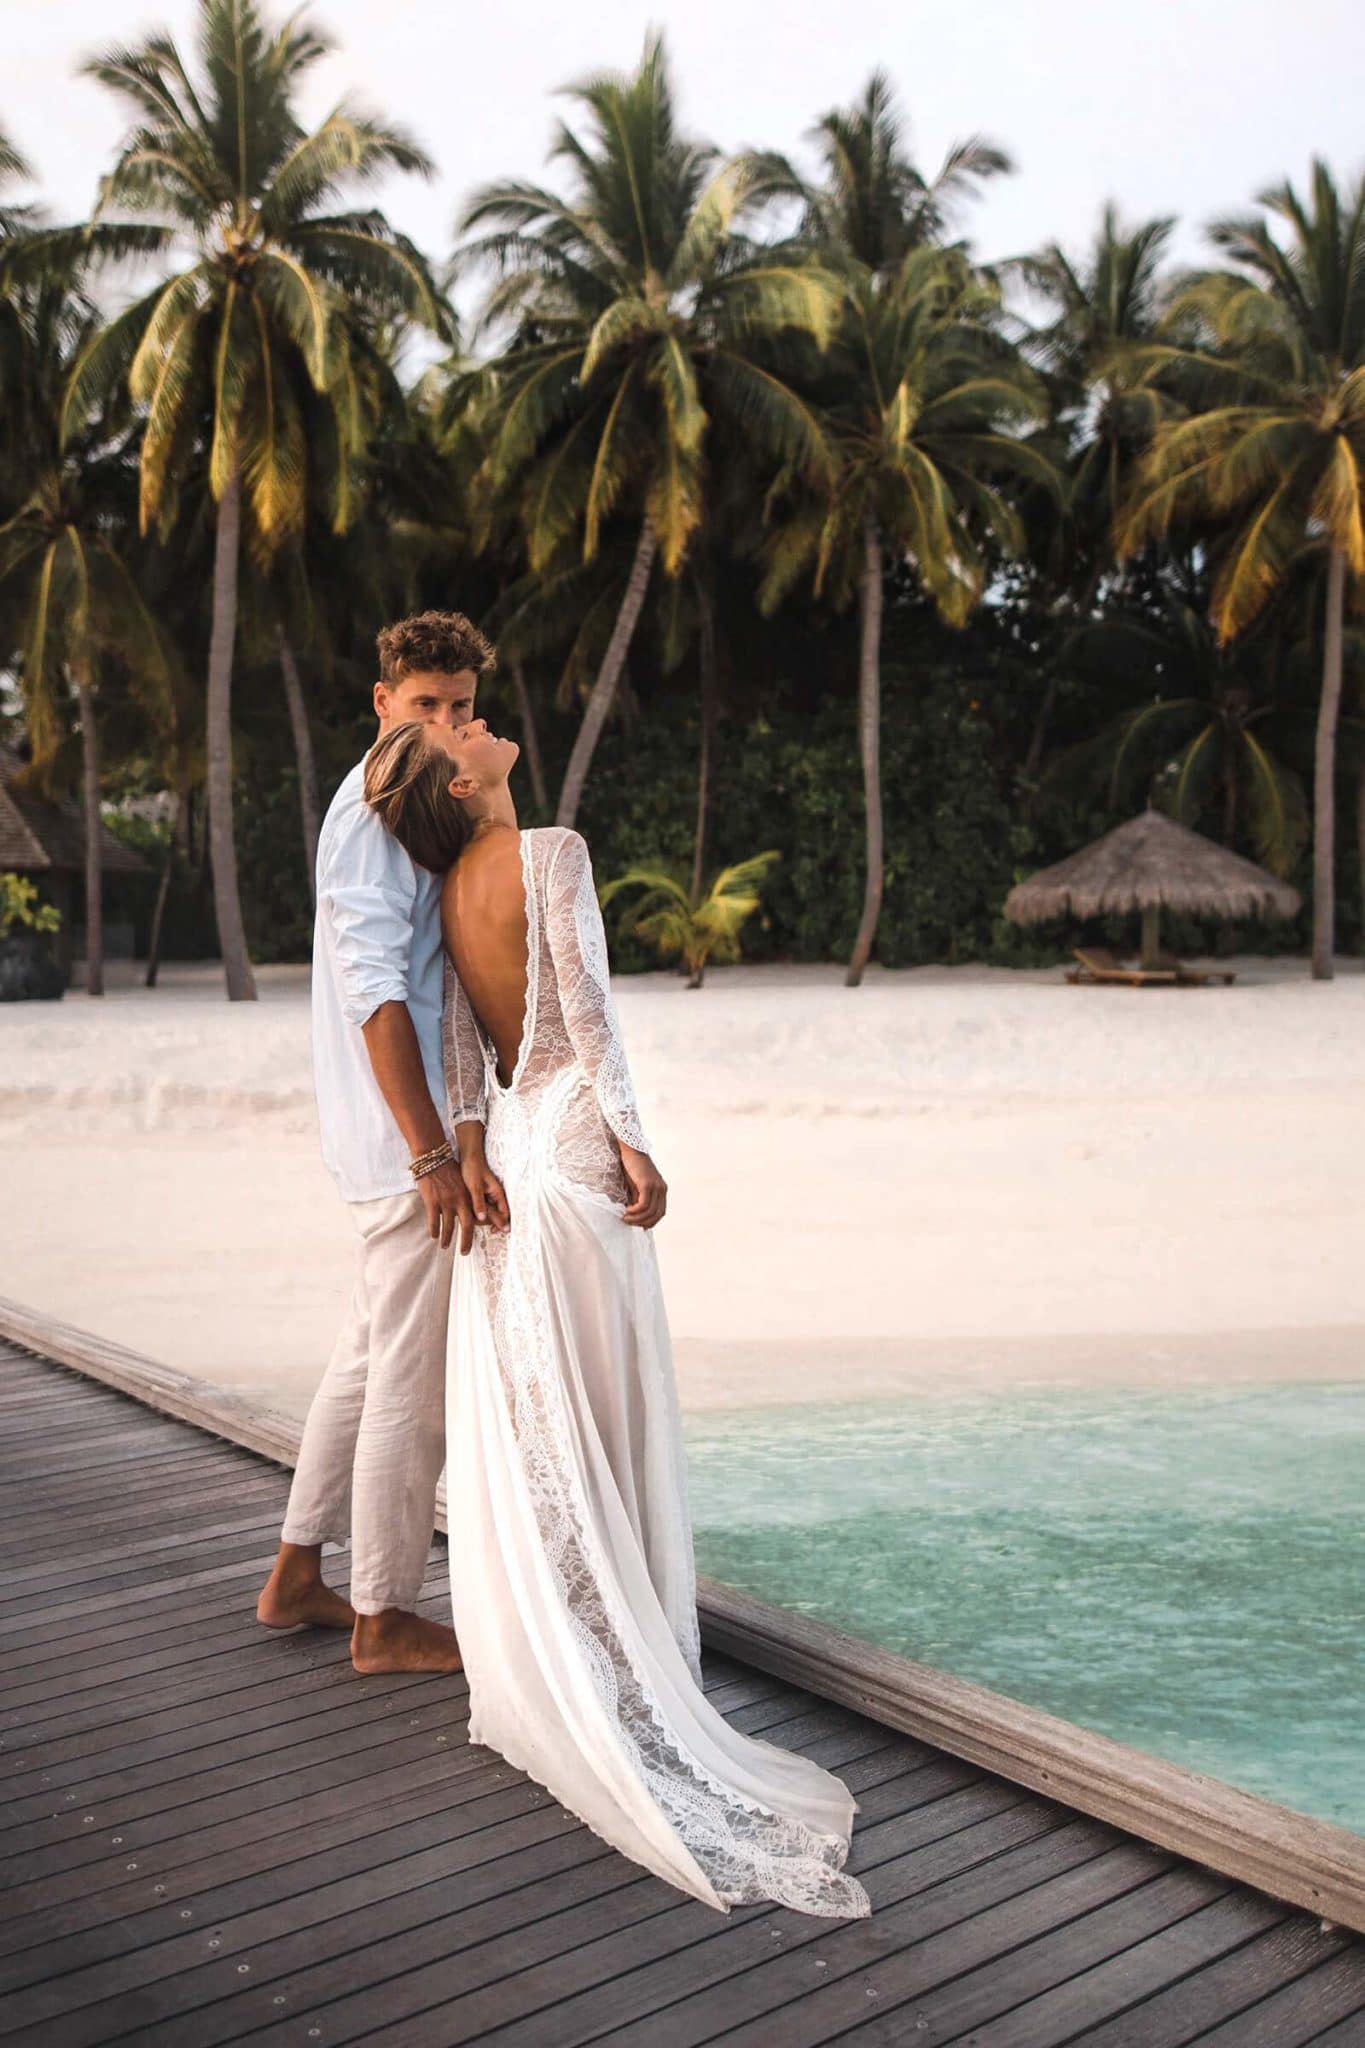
{"x":1200,"y":977}
{"x":1098,"y":964}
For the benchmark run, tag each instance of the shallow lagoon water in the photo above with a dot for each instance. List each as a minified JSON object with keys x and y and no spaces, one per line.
{"x":1184,"y":1572}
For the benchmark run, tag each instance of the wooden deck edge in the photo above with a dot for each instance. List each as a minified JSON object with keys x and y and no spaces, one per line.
{"x":1289,"y":1855}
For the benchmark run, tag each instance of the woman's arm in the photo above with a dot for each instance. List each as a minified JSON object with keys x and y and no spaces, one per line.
{"x":467,"y":1093}
{"x":578,"y":947}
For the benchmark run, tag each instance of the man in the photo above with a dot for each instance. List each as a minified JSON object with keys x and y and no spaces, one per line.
{"x":374,"y":1441}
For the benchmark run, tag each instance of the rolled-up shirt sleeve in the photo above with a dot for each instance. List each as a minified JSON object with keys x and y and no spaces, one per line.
{"x":368,"y":896}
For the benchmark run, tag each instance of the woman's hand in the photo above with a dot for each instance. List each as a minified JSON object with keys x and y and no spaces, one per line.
{"x":648,"y":1189}
{"x":486,"y":1193}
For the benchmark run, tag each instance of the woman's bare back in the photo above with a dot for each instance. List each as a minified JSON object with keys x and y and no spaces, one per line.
{"x":483,"y":924}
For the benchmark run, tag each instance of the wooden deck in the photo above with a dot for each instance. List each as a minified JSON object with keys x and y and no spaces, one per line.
{"x":215,"y":1833}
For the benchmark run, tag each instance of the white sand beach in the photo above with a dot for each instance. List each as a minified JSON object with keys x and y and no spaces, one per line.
{"x":970,"y":1175}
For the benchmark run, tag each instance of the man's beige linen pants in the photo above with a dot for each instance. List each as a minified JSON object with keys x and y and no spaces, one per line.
{"x":374,"y":1441}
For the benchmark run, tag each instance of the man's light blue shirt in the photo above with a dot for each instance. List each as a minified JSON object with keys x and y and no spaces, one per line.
{"x":376,"y":939}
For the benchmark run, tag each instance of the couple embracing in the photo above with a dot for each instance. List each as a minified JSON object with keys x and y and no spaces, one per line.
{"x":507,"y":1320}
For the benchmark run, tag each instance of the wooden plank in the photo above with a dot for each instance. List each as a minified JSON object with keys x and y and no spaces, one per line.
{"x":59,"y":1568}
{"x":1080,"y":1973}
{"x":364,"y":1916}
{"x":296,"y":1798}
{"x":195,"y":1744}
{"x":145,"y":1812}
{"x":917,"y":1952}
{"x":1348,"y":2033}
{"x":709,"y":1981}
{"x":217,"y":1409}
{"x":1297,"y":2014}
{"x":476,"y":1943}
{"x":252,"y":1552}
{"x":555,"y":1996}
{"x":256,"y":1675}
{"x":206,"y":1626}
{"x":1180,"y":2012}
{"x":192,"y":1758}
{"x":305,"y":1873}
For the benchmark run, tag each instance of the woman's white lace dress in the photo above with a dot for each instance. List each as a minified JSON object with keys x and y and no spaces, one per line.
{"x":571,"y":1564}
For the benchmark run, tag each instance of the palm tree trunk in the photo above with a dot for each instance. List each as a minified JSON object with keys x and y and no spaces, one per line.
{"x":526,"y":712}
{"x":1033,"y":760}
{"x":1324,"y":773}
{"x":707,"y":679}
{"x":227,"y":902}
{"x":870,"y":738}
{"x":309,"y":803}
{"x":608,"y":676}
{"x":178,"y":843}
{"x":94,"y":877}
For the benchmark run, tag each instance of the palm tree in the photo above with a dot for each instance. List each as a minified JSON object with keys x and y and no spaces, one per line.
{"x":1196,"y":745}
{"x":638,"y":311}
{"x":925,"y":407}
{"x":222,"y":355}
{"x":62,"y":565}
{"x":693,"y":924}
{"x":1101,"y":311}
{"x":873,"y":204}
{"x":1271,"y":353}
{"x":19,"y":226}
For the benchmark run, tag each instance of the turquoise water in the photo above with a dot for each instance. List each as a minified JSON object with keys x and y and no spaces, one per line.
{"x":1183,"y":1572}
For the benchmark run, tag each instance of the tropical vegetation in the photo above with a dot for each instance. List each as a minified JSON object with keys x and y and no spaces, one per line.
{"x":797,"y":524}
{"x":692,"y":925}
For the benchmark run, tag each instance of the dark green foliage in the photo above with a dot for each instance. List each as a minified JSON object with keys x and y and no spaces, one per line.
{"x":951,"y":839}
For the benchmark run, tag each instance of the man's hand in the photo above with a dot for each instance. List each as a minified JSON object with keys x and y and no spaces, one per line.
{"x":446,"y":1201}
{"x":649,"y":1191}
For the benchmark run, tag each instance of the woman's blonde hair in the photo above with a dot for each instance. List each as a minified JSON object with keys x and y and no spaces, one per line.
{"x":407,"y":784}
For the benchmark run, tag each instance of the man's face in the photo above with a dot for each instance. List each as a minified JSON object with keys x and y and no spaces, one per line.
{"x":426,"y":697}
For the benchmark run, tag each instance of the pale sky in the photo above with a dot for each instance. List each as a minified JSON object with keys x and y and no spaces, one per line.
{"x":1184,"y":106}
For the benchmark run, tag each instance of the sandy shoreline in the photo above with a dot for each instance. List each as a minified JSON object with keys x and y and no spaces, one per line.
{"x":951,"y":1178}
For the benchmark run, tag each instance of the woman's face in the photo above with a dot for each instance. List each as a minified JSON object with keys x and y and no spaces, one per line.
{"x":478,"y":757}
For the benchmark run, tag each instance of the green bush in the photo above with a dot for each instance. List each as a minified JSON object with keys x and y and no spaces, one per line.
{"x":951,"y":840}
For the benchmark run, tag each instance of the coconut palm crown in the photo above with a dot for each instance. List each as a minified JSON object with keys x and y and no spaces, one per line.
{"x":272,"y":281}
{"x":225,"y":176}
{"x":871,"y":203}
{"x":926,"y":408}
{"x":637,"y":313}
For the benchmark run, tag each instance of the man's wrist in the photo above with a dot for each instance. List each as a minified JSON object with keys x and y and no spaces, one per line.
{"x":432,"y":1159}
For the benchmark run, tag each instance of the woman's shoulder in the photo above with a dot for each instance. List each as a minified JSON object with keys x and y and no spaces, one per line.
{"x":553,"y":847}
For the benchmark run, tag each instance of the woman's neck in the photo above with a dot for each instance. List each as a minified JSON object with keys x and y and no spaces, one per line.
{"x":490,"y":812}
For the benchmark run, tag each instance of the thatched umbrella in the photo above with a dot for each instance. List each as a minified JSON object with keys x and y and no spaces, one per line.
{"x":1151,"y":864}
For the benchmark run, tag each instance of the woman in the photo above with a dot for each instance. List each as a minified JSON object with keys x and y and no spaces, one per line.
{"x":572,"y":1573}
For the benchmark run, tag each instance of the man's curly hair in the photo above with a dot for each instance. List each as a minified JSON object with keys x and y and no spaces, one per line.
{"x":440,"y":643}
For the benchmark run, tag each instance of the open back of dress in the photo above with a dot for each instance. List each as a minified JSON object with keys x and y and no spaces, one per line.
{"x":571,"y":1560}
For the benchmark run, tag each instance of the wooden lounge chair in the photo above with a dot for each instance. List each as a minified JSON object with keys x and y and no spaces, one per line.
{"x":1200,"y":977}
{"x":1097,"y":964}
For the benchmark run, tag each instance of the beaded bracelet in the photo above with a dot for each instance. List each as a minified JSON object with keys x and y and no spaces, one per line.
{"x":427,"y":1162}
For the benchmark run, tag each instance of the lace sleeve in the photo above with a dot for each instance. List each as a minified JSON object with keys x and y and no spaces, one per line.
{"x":578,"y":947}
{"x":462,"y":1053}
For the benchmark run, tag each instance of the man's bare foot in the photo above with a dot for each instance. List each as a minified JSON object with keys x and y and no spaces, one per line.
{"x":296,"y":1595}
{"x":398,"y":1641}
